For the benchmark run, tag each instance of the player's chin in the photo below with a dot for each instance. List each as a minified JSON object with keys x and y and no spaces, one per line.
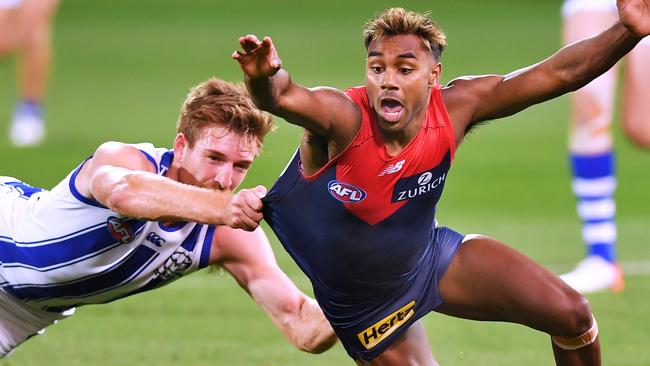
{"x":391,"y":125}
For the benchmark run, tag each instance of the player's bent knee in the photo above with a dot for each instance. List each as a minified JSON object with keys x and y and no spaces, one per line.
{"x":583,"y":340}
{"x":573,"y":315}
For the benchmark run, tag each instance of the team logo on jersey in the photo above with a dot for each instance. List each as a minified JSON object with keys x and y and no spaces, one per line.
{"x":385,"y":327}
{"x":392,"y":168}
{"x":346,"y":192}
{"x":175,"y":266}
{"x":429,"y":183}
{"x":120,"y":230}
{"x":155,"y":239}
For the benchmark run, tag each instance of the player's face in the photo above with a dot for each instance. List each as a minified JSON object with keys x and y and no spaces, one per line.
{"x":400,"y":73}
{"x":219,"y":158}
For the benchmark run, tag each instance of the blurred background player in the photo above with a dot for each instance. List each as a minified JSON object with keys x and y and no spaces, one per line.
{"x":591,"y":144}
{"x":25,"y":27}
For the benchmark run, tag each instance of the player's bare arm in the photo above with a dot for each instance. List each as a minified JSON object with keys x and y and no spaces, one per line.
{"x":248,"y":257}
{"x":121,"y":178}
{"x":474,"y":99}
{"x":325,"y":111}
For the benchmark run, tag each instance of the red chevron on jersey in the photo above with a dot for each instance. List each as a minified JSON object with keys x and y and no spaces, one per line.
{"x":372,"y":184}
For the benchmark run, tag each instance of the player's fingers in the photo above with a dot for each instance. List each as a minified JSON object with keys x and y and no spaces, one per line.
{"x":249,"y":219}
{"x":250,"y":43}
{"x":252,"y":38}
{"x":267,"y":45}
{"x":252,"y":199}
{"x":260,"y":191}
{"x":276,"y":64}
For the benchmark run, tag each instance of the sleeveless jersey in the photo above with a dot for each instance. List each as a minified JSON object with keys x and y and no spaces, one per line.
{"x":359,"y":227}
{"x":59,"y":249}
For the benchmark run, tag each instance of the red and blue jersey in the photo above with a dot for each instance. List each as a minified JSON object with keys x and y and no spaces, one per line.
{"x":359,"y":227}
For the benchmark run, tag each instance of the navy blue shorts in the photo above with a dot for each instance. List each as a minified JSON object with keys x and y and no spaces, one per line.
{"x":378,"y":328}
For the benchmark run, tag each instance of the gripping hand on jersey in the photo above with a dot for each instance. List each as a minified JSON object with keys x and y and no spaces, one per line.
{"x":246,"y":208}
{"x":258,"y":58}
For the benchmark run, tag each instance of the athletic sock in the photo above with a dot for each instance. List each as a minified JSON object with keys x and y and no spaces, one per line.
{"x":594,"y":183}
{"x":28,"y":107}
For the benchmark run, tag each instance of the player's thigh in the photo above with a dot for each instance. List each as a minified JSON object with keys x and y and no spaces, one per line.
{"x":593,"y":104}
{"x":488,"y":280}
{"x":10,"y":30}
{"x":37,"y":12}
{"x":411,"y":349}
{"x":636,"y":95}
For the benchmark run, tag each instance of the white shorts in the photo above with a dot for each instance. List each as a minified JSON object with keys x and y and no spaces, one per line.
{"x":571,"y":7}
{"x":9,"y":4}
{"x":18,"y":322}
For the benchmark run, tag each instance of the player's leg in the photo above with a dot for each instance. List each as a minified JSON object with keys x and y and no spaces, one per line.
{"x":591,"y":155}
{"x":636,"y":94}
{"x":488,"y":280}
{"x":411,"y":349}
{"x":34,"y":49}
{"x":9,"y":30}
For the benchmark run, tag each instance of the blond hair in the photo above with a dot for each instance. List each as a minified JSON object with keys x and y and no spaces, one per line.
{"x":398,"y":21}
{"x":221,"y":103}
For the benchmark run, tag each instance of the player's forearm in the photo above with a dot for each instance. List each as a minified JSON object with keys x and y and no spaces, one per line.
{"x":298,"y":316}
{"x":567,"y":70}
{"x":577,"y":64}
{"x":280,"y":96}
{"x":267,"y":92}
{"x":149,"y":196}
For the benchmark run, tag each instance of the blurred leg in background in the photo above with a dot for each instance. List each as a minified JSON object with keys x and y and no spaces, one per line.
{"x":25,"y":30}
{"x":591,"y":150}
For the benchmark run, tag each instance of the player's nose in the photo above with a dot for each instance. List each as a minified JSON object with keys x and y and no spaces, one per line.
{"x":223,"y":177}
{"x":388,"y":80}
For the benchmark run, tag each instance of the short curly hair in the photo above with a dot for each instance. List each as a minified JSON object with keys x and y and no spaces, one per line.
{"x":398,"y":21}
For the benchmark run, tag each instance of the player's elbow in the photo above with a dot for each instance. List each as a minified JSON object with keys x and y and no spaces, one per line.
{"x":318,"y":343}
{"x":313,"y":334}
{"x":117,"y":194}
{"x":120,"y":197}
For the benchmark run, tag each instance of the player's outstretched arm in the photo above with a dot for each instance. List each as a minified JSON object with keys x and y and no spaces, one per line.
{"x":325,"y":111}
{"x":476,"y":99}
{"x":121,"y":178}
{"x":248,"y":257}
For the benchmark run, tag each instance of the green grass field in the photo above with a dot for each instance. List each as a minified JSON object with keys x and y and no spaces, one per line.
{"x":122,"y":68}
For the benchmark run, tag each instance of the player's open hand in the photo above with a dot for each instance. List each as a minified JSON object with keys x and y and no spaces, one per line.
{"x":258,"y":58}
{"x":635,"y":15}
{"x":246,"y":208}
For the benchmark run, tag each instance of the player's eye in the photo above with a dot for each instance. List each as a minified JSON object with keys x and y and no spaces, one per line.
{"x":377,"y":69}
{"x":405,"y":70}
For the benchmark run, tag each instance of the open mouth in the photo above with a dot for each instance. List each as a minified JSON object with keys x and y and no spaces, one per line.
{"x":391,"y":110}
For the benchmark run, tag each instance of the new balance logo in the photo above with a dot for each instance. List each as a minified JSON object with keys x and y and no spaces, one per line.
{"x":392,"y":168}
{"x":385,"y":327}
{"x":155,"y":239}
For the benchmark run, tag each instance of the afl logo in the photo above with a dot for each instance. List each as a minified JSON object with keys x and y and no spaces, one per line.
{"x":120,"y":230}
{"x":346,"y":192}
{"x":425,"y":178}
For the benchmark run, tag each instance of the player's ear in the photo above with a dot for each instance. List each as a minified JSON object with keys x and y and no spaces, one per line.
{"x":180,"y":144}
{"x":436,"y":73}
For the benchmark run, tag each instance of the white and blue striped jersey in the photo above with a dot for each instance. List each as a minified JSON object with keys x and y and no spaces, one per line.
{"x":59,"y":249}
